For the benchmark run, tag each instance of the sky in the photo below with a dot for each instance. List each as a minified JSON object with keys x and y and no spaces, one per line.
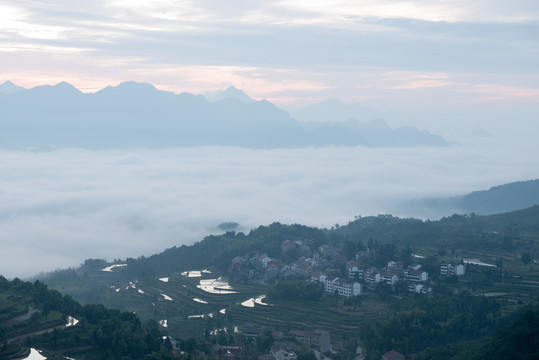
{"x":466,"y":70}
{"x":440,"y":65}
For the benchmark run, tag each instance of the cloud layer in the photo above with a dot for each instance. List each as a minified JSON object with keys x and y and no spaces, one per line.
{"x":58,"y":208}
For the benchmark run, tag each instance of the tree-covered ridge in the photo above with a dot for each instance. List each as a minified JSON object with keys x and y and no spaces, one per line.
{"x":502,"y":231}
{"x":508,"y":232}
{"x":498,"y":199}
{"x":100,"y":333}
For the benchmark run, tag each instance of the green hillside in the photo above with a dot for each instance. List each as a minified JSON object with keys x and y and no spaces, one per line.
{"x":31,"y":315}
{"x":158,"y":288}
{"x":497,"y":199}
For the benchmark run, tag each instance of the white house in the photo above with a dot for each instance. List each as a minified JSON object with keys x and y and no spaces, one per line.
{"x":346,"y":288}
{"x":416,"y":275}
{"x":372,"y":276}
{"x":353,"y":270}
{"x":450,"y":270}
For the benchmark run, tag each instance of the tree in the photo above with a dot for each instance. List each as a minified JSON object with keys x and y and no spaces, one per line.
{"x":526,"y":258}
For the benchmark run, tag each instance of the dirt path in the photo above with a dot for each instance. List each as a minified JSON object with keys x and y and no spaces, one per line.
{"x":35,"y":333}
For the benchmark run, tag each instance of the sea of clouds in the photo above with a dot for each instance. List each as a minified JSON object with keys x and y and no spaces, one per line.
{"x":58,"y":208}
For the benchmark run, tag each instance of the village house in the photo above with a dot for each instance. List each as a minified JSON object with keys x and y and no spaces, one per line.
{"x":419,"y":288}
{"x":347,"y":288}
{"x":396,"y":266}
{"x":451,"y":270}
{"x":321,"y":340}
{"x":333,"y":284}
{"x":318,"y":339}
{"x":327,"y":251}
{"x":280,"y":353}
{"x":329,"y":284}
{"x":304,"y":250}
{"x":390,"y":277}
{"x":372,"y":276}
{"x":392,"y":355}
{"x":302,"y":267}
{"x":226,"y":352}
{"x":415,"y":274}
{"x":353,"y":271}
{"x":287,"y":245}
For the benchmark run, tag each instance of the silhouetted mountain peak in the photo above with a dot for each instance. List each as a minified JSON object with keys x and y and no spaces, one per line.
{"x":10,"y":88}
{"x":129,"y":88}
{"x":65,"y":86}
{"x":58,"y":91}
{"x":231,"y":92}
{"x":133,"y":85}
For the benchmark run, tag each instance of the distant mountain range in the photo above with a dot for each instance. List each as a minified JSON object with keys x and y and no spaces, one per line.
{"x":138,"y":115}
{"x":497,"y":199}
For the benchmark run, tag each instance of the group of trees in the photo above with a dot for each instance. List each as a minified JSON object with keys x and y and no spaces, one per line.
{"x":518,"y":340}
{"x":103,"y":333}
{"x":435,"y":322}
{"x":501,"y":231}
{"x":295,"y":290}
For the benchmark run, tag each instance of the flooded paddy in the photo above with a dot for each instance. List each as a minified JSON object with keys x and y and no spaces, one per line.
{"x":110,"y":268}
{"x":166,"y":297}
{"x":216,"y":286}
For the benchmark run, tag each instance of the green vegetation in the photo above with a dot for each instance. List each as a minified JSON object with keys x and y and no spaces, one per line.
{"x":459,"y":318}
{"x":519,"y":340}
{"x":295,"y":290}
{"x":433,"y":322}
{"x":100,"y":334}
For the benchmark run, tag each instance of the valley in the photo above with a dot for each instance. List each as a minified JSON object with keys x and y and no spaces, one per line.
{"x":169,"y":290}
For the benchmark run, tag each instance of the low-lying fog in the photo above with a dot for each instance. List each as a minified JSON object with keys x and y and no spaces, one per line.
{"x":60,"y":207}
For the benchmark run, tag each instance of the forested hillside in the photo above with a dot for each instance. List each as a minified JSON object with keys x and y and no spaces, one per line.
{"x":31,"y":315}
{"x":497,"y":199}
{"x":511,"y":232}
{"x":457,"y":311}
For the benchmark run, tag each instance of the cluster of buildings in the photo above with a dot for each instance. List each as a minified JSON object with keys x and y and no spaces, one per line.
{"x":321,"y":266}
{"x":335,"y":285}
{"x":325,"y":267}
{"x":258,"y":266}
{"x":394,"y":272}
{"x":281,"y":349}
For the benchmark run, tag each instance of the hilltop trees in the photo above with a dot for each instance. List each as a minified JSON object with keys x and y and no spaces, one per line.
{"x":526,"y":258}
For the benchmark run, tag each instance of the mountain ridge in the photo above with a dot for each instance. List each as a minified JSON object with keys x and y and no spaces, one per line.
{"x":134,"y":114}
{"x":497,"y":199}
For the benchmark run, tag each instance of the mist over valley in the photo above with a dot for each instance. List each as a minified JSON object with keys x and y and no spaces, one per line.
{"x":63,"y":206}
